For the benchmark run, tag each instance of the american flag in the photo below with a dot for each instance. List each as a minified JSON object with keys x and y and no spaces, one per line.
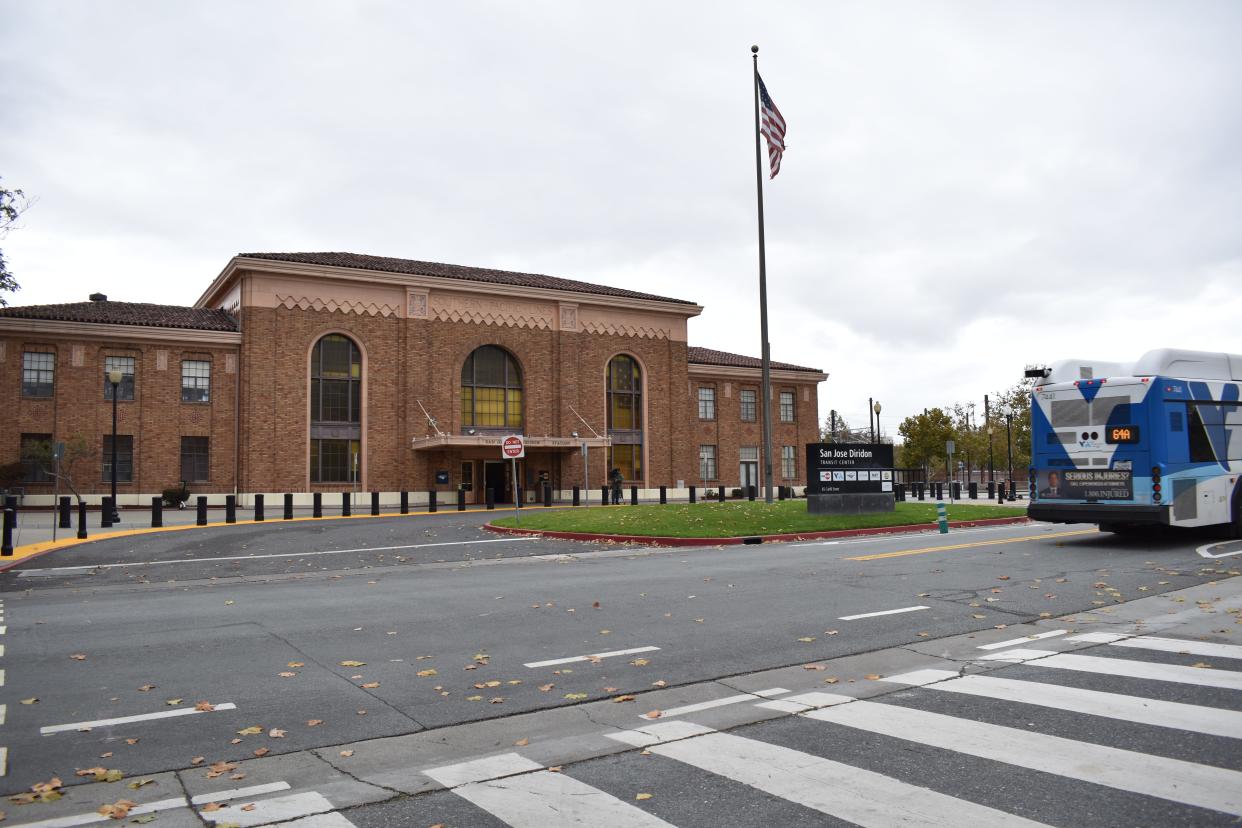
{"x":772,"y":125}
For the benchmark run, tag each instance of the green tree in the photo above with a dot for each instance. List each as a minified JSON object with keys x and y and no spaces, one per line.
{"x":1016,"y":403}
{"x":77,"y":449}
{"x":12,"y":204}
{"x":923,"y":438}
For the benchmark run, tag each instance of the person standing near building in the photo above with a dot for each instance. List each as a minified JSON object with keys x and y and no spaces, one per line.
{"x":615,"y":479}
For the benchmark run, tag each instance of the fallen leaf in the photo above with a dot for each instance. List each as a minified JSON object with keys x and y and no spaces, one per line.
{"x":555,"y":769}
{"x":347,"y":753}
{"x":543,"y":688}
{"x":1002,"y":577}
{"x":213,"y":806}
{"x":474,"y":698}
{"x":277,"y":733}
{"x":118,"y":809}
{"x":353,"y":664}
{"x":248,"y":807}
{"x":806,"y":639}
{"x":370,"y":685}
{"x":497,"y":700}
{"x":1202,"y":665}
{"x":250,"y":731}
{"x":146,"y":687}
{"x":601,"y":632}
{"x":105,"y":755}
{"x":831,"y":680}
{"x":78,"y":657}
{"x":640,"y":662}
{"x":32,"y":700}
{"x":314,"y":722}
{"x":139,"y":783}
{"x":575,"y":696}
{"x":235,"y":741}
{"x":977,"y":615}
{"x":173,"y":702}
{"x":814,"y":667}
{"x":625,"y":698}
{"x":296,"y":664}
{"x":204,"y":707}
{"x":832,"y":632}
{"x":660,"y":683}
{"x":261,"y":751}
{"x":133,"y":741}
{"x":426,"y":673}
{"x":654,"y":714}
{"x":640,"y":797}
{"x":286,"y":674}
{"x":523,"y":742}
{"x":197,"y":760}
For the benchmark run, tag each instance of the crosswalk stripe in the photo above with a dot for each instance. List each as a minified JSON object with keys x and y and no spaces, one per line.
{"x":1025,"y":640}
{"x":1173,"y":779}
{"x":1166,"y":645}
{"x":1213,"y":721}
{"x":538,"y":798}
{"x":860,"y":796}
{"x":1177,"y":673}
{"x":727,"y":700}
{"x":330,"y":820}
{"x":276,"y":809}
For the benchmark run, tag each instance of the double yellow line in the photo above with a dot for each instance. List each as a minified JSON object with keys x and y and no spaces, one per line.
{"x":902,"y":553}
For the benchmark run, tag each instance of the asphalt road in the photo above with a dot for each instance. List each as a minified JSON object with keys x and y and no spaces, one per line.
{"x":343,"y":623}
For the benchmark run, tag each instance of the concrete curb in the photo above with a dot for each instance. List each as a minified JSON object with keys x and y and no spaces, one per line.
{"x":658,"y":540}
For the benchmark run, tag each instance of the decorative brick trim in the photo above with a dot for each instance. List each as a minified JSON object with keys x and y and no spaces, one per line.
{"x":342,"y":305}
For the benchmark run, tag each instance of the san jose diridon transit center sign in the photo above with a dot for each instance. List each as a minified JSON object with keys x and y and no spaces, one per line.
{"x":849,"y":468}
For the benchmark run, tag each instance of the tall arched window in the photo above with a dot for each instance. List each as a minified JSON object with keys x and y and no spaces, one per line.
{"x":625,"y":416}
{"x":491,"y":390}
{"x":336,"y":410}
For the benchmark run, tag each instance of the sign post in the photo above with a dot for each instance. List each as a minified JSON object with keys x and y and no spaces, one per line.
{"x":512,"y":448}
{"x":948,"y":466}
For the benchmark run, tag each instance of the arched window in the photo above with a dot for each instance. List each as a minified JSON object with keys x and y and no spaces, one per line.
{"x":336,"y":410}
{"x":491,"y":390}
{"x":625,"y":416}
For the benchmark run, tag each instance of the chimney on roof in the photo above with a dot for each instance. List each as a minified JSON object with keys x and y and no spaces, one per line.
{"x":99,"y":297}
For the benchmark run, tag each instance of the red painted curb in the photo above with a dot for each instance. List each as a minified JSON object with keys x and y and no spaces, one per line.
{"x":658,"y":540}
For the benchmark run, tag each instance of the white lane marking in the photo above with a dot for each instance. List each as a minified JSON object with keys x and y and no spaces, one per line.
{"x":3,"y":630}
{"x":88,"y":819}
{"x":1203,"y":550}
{"x":276,"y":809}
{"x":142,"y":717}
{"x":4,"y":712}
{"x":1,"y":676}
{"x":659,"y":733}
{"x":543,"y":799}
{"x":784,"y":706}
{"x":1203,"y":677}
{"x":4,"y":761}
{"x":1213,"y":721}
{"x":25,"y":572}
{"x":1,"y":649}
{"x":881,"y":612}
{"x":1176,"y":780}
{"x":570,"y":660}
{"x":329,"y":820}
{"x":1166,"y":645}
{"x":237,"y":793}
{"x":480,"y":770}
{"x":727,"y":700}
{"x":1011,"y":642}
{"x":851,"y":794}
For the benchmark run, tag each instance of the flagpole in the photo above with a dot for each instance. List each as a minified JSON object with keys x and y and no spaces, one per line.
{"x":763,"y":299}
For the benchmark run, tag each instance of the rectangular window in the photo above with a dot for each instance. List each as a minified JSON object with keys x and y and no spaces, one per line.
{"x":707,"y":403}
{"x":749,"y":399}
{"x":38,"y":373}
{"x":789,"y":465}
{"x":334,"y":461}
{"x":36,"y":456}
{"x":195,"y":381}
{"x":707,"y":462}
{"x":748,"y":454}
{"x":124,"y":458}
{"x":125,"y":390}
{"x":195,"y":459}
{"x":787,"y":406}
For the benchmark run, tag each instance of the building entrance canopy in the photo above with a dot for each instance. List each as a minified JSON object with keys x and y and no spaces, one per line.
{"x":440,"y":442}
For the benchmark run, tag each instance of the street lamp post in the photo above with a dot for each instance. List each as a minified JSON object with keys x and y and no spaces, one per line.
{"x":875,"y":432}
{"x":870,"y":422}
{"x":1009,"y":446}
{"x":114,"y":378}
{"x":987,"y":417}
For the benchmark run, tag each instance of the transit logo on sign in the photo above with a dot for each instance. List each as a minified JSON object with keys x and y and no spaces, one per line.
{"x":513,"y":447}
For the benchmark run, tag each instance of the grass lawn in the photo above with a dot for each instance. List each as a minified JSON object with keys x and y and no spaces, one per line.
{"x":722,"y":520}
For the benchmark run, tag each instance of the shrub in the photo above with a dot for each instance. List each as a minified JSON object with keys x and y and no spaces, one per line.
{"x":176,"y":495}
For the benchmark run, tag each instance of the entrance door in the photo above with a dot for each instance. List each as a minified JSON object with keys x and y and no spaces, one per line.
{"x":467,"y":481}
{"x":497,"y":477}
{"x":748,"y":468}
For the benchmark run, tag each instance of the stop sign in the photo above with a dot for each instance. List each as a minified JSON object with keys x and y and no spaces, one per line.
{"x":513,"y":447}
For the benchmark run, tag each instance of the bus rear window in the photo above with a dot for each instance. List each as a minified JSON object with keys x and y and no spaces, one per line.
{"x":1200,"y":445}
{"x":1070,"y":413}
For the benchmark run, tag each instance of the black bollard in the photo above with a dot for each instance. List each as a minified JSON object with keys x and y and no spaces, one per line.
{"x":973,"y":490}
{"x":317,"y":505}
{"x":258,"y":508}
{"x":1013,"y":490}
{"x":431,"y":501}
{"x":1000,"y":492}
{"x":375,"y":503}
{"x":750,"y":493}
{"x":288,"y":515}
{"x":780,"y":493}
{"x":603,"y":495}
{"x":957,"y":490}
{"x":405,"y":502}
{"x":201,"y":518}
{"x":663,"y":495}
{"x":490,"y":495}
{"x":577,"y":495}
{"x":105,"y":512}
{"x":461,"y":500}
{"x":722,"y":494}
{"x":633,"y":495}
{"x":157,"y":512}
{"x":692,"y":494}
{"x":991,"y":489}
{"x":547,"y":495}
{"x":6,"y":543}
{"x":81,"y":520}
{"x":230,"y":509}
{"x":346,"y":504}
{"x":66,"y":517}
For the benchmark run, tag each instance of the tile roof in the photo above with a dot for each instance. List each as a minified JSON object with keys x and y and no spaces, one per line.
{"x":128,"y":313}
{"x":709,"y":356}
{"x":449,"y":271}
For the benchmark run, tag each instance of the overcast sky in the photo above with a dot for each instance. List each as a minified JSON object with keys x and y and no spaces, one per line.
{"x":968,"y":187}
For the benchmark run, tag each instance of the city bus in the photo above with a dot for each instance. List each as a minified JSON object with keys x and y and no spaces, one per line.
{"x":1132,"y":445}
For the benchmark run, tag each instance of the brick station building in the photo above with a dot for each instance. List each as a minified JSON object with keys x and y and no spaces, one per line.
{"x":305,"y":372}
